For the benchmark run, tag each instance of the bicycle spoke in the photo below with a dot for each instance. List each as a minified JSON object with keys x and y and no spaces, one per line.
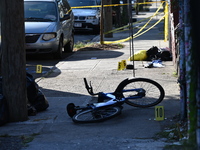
{"x":151,"y":94}
{"x":96,"y":115}
{"x":141,"y":92}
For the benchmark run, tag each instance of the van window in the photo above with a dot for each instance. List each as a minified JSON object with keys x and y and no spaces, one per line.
{"x":40,"y":11}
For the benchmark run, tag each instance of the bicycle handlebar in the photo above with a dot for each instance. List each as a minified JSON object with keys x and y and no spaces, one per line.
{"x":89,"y":87}
{"x":86,"y":84}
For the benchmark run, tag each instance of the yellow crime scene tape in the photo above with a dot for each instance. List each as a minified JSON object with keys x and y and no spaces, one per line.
{"x":117,"y":5}
{"x":137,"y":34}
{"x":150,"y":18}
{"x":150,"y":27}
{"x":99,"y":6}
{"x":121,"y":29}
{"x":126,"y":26}
{"x":69,"y":10}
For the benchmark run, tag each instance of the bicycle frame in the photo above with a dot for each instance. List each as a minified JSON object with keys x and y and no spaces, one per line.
{"x":110,"y":104}
{"x":113,"y":100}
{"x":112,"y":96}
{"x":140,"y":94}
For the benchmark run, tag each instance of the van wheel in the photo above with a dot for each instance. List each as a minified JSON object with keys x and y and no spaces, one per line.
{"x":68,"y":48}
{"x":58,"y":53}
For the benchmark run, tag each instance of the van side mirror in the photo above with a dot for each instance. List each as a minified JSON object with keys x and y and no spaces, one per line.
{"x":66,"y":17}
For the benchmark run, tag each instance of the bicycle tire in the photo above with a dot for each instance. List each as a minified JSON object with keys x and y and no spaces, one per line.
{"x":91,"y":115}
{"x":154,"y":92}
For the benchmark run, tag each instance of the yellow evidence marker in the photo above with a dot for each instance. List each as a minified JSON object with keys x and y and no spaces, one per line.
{"x":159,"y":113}
{"x":123,"y":64}
{"x":39,"y":69}
{"x":119,"y":66}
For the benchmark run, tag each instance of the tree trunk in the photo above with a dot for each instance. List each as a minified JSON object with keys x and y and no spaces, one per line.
{"x":13,"y":58}
{"x":117,"y":17}
{"x":137,"y":7}
{"x":0,"y":35}
{"x":108,"y":18}
{"x":125,"y":13}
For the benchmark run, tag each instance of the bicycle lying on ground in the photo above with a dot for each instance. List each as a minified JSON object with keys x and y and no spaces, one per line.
{"x":138,"y":92}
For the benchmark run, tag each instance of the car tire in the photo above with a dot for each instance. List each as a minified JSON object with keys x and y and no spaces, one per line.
{"x":58,"y":53}
{"x":68,"y":48}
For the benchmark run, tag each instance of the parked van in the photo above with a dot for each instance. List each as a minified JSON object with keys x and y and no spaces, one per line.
{"x":48,"y":27}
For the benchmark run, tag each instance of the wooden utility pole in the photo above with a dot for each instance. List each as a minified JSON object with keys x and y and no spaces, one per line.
{"x":108,"y":19}
{"x":102,"y":22}
{"x":13,"y":62}
{"x":117,"y":17}
{"x":137,"y":7}
{"x":125,"y":17}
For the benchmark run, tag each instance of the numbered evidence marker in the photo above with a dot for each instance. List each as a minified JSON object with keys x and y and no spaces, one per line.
{"x":159,"y":113}
{"x":39,"y":69}
{"x":119,"y":66}
{"x":123,"y":64}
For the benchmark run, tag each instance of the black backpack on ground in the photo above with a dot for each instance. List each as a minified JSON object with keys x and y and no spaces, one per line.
{"x":154,"y":53}
{"x":165,"y":55}
{"x":36,"y":98}
{"x":40,"y":102}
{"x":32,"y":88}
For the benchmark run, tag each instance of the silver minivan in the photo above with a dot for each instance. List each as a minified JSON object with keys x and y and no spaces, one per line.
{"x":48,"y":27}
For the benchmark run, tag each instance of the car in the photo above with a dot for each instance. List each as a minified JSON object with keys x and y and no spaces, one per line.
{"x":48,"y":27}
{"x":86,"y":18}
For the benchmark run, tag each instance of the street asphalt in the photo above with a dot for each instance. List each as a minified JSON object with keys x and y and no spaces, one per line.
{"x":134,"y":129}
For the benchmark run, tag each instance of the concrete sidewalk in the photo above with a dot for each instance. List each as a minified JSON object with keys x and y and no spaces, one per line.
{"x":134,"y":129}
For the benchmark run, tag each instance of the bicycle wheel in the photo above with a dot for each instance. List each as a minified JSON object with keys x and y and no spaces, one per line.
{"x":141,"y":92}
{"x":91,"y":115}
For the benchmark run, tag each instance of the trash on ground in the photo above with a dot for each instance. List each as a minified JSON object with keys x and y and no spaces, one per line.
{"x":139,"y":56}
{"x":154,"y":53}
{"x":154,"y":64}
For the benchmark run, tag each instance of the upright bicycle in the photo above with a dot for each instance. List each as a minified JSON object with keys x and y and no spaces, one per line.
{"x":138,"y":92}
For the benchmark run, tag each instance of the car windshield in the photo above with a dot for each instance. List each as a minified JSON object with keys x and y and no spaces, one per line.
{"x":40,"y":11}
{"x":77,"y":3}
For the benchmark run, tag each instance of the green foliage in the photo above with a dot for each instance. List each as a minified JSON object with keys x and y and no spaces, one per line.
{"x":79,"y":45}
{"x":27,"y":139}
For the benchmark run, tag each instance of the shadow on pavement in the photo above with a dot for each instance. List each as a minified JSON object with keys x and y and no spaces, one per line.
{"x":46,"y":60}
{"x":94,"y":54}
{"x":55,"y":93}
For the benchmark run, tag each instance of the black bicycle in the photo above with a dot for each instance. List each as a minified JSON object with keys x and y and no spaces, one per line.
{"x":138,"y":92}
